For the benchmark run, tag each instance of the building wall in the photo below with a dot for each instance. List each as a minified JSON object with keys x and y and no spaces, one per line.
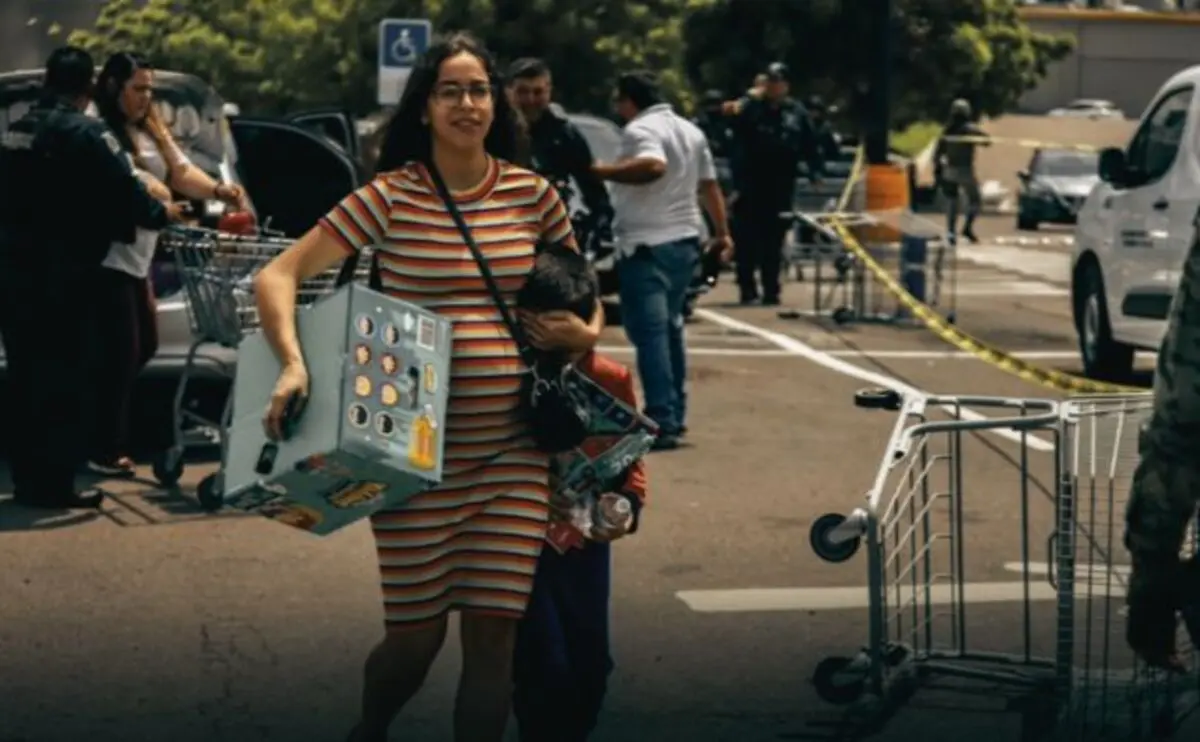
{"x":1122,"y":57}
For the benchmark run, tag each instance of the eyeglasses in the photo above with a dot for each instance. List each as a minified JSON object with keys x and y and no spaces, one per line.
{"x":451,"y":93}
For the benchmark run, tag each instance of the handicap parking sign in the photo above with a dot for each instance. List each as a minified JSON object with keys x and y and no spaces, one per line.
{"x":402,"y":41}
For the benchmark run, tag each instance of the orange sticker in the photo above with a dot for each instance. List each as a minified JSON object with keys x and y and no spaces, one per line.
{"x":422,"y":443}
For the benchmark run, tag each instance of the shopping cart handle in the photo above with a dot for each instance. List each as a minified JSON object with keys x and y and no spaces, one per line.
{"x":292,"y":411}
{"x":878,"y":399}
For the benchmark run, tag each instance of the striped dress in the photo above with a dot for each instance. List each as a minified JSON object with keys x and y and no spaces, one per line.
{"x":473,"y":542}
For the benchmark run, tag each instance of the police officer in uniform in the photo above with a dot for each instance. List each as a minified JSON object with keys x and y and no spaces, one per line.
{"x":954,"y":169}
{"x":560,"y":152}
{"x":773,"y":134}
{"x":66,"y":193}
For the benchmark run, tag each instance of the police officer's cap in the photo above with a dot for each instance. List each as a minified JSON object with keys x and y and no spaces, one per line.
{"x":69,"y":72}
{"x":777,"y":72}
{"x":960,"y":107}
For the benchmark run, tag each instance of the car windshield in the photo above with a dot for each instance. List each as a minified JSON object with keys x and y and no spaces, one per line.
{"x":194,"y":116}
{"x":1068,"y":164}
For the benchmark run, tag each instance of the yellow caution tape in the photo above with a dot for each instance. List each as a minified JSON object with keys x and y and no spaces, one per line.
{"x":941,"y":327}
{"x":1031,"y":143}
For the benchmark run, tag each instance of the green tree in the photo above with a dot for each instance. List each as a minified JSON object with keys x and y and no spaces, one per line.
{"x":274,"y":56}
{"x":943,"y":49}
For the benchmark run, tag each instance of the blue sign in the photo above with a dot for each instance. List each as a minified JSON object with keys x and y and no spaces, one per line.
{"x":402,"y":41}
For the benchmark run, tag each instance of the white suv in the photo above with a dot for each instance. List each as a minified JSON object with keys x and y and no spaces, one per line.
{"x":1134,"y":230}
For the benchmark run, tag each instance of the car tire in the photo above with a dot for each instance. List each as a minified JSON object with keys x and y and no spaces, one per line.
{"x":1026,"y":223}
{"x":1103,"y":357}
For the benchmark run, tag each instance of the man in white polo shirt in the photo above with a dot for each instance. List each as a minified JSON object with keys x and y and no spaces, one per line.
{"x":665,"y":168}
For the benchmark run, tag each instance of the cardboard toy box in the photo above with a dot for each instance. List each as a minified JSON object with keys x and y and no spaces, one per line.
{"x":370,"y":436}
{"x":618,"y":435}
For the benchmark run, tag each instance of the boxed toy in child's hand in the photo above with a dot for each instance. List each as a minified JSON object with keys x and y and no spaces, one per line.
{"x":618,"y":436}
{"x":371,"y":432}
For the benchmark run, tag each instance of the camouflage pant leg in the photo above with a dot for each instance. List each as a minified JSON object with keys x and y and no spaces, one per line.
{"x":1162,"y":503}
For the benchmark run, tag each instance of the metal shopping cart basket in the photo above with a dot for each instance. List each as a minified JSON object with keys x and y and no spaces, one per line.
{"x":847,"y":290}
{"x":1060,"y":656}
{"x":216,"y":270}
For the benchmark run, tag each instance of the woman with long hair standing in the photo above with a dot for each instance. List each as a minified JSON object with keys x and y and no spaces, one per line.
{"x":124,"y":307}
{"x":470,"y":545}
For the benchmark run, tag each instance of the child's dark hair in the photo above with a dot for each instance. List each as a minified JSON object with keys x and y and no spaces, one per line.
{"x":561,"y":279}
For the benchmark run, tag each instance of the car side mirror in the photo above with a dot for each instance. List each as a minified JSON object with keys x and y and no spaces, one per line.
{"x":1023,"y":176}
{"x":1113,"y":168}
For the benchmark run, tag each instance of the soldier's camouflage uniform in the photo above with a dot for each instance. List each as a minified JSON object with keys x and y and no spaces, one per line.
{"x":1166,"y":483}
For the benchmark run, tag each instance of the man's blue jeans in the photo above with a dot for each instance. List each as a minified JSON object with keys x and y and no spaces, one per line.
{"x":653,"y":287}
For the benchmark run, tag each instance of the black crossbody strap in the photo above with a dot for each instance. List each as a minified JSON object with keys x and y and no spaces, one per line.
{"x":514,"y":327}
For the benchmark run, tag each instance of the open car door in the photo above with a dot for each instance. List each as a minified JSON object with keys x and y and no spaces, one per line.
{"x":333,"y":124}
{"x":293,"y":176}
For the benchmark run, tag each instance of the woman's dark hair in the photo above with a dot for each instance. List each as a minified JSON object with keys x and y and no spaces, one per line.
{"x":407,"y":139}
{"x":114,"y":75}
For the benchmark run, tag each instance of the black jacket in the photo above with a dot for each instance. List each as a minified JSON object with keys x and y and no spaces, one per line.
{"x":771,"y":141}
{"x":67,"y":189}
{"x":560,"y":153}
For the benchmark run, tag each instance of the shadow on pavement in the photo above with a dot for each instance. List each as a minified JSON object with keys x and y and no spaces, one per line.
{"x":14,"y":517}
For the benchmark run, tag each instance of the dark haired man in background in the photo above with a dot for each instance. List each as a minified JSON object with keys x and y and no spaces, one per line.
{"x":57,"y":162}
{"x":665,"y":161}
{"x":560,"y":151}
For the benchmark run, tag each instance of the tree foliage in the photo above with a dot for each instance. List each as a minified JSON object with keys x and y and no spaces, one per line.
{"x":275,"y":56}
{"x":941,"y":50}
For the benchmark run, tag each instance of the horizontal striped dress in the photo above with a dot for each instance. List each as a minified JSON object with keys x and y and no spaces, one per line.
{"x":473,"y":542}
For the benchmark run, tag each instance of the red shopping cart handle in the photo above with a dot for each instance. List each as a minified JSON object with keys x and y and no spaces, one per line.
{"x":238,"y":222}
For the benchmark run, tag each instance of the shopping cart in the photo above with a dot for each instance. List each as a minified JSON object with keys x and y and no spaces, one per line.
{"x":216,"y":270}
{"x":1060,"y":657}
{"x":846,"y":290}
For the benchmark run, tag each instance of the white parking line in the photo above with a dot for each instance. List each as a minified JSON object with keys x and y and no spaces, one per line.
{"x":915,"y":355}
{"x":1096,"y":582}
{"x":803,"y":350}
{"x":767,"y":599}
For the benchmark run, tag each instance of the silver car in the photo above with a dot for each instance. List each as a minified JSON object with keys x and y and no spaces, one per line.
{"x":293,"y":170}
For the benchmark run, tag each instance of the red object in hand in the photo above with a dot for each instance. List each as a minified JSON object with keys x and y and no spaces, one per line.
{"x":237,"y":222}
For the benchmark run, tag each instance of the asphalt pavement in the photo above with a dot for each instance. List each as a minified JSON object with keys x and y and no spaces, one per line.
{"x":153,"y":621}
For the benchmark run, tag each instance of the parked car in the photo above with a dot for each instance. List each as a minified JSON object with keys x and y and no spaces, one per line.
{"x":293,"y":171}
{"x":1089,"y":108}
{"x":1134,"y":231}
{"x":1054,"y":185}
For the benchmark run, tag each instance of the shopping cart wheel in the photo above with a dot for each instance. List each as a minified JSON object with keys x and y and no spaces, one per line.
{"x":836,"y":683}
{"x":168,"y":467}
{"x":823,"y":547}
{"x":209,"y":493}
{"x":878,"y":399}
{"x":842,"y":315}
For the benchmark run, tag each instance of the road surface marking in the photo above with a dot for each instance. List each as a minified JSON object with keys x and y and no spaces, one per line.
{"x":946,"y":355}
{"x":750,"y":600}
{"x":916,"y":355}
{"x":734,"y":352}
{"x":1050,"y":266}
{"x":802,"y":350}
{"x":1094,"y":573}
{"x":1089,"y":584}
